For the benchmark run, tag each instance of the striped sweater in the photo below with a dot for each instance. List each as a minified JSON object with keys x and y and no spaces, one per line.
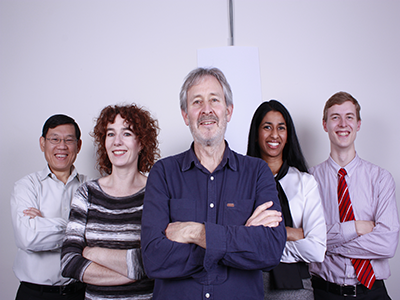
{"x":100,"y":220}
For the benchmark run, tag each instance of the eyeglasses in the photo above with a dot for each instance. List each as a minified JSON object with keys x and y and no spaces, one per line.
{"x":57,"y":140}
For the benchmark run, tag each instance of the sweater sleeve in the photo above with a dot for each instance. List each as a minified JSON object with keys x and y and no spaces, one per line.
{"x":73,"y":264}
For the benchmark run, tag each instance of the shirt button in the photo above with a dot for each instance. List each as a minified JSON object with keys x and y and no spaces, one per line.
{"x":207,"y":295}
{"x":212,"y":205}
{"x":212,"y":177}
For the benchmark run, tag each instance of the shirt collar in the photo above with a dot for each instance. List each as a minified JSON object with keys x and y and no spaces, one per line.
{"x":191,"y":159}
{"x":350,"y":167}
{"x":46,"y":173}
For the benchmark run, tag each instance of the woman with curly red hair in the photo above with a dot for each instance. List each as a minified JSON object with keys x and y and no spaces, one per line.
{"x":102,"y":243}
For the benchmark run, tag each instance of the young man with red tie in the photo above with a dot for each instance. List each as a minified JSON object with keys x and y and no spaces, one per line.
{"x":360,"y":212}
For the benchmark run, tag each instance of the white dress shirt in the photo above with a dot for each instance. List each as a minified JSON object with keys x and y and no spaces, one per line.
{"x":302,"y":192}
{"x":39,"y":240}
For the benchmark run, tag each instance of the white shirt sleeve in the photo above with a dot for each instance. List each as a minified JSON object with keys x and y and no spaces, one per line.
{"x":302,"y":192}
{"x":40,"y":233}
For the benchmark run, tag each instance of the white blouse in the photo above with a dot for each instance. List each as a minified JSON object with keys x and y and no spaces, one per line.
{"x":301,"y":190}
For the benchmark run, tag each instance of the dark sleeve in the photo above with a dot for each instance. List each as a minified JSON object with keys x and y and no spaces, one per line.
{"x":248,"y":248}
{"x":163,"y":258}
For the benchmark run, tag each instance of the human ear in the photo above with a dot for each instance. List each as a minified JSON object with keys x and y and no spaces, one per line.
{"x":41,"y":143}
{"x":185,"y":117}
{"x":324,"y":125}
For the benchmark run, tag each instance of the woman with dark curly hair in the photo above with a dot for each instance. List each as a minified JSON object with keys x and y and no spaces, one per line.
{"x":102,"y":243}
{"x":273,"y":138}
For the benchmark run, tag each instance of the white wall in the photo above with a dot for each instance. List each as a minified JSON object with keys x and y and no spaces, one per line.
{"x":77,"y":56}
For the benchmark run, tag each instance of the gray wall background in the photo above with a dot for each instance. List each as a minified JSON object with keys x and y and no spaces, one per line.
{"x":77,"y":56}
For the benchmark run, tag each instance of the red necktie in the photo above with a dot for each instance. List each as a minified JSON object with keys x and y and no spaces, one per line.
{"x":365,"y":273}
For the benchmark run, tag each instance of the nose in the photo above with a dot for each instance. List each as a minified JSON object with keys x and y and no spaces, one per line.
{"x":206,"y":108}
{"x":274,"y":132}
{"x":62,"y":144}
{"x":342,"y":122}
{"x":117,"y":140}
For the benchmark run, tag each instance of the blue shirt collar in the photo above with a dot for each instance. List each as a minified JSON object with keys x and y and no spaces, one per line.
{"x":191,"y":159}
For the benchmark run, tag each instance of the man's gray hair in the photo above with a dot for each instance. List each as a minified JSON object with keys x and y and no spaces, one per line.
{"x":196,"y":75}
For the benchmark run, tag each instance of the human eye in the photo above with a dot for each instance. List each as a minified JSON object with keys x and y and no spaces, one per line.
{"x":70,"y":141}
{"x":110,"y":134}
{"x":55,"y":140}
{"x":267,"y":127}
{"x":127,"y":133}
{"x":283,"y":128}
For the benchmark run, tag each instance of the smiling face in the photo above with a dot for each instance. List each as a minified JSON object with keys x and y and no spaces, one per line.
{"x":272,"y":136}
{"x":60,"y":157}
{"x":207,"y":114}
{"x":342,"y":126}
{"x":121,"y":144}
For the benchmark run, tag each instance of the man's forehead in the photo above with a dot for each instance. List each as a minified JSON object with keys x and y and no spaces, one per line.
{"x":345,"y":108}
{"x":64,"y":129}
{"x":207,"y":80}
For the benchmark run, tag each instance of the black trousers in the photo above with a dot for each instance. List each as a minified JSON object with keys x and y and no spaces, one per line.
{"x":26,"y":293}
{"x":379,"y":293}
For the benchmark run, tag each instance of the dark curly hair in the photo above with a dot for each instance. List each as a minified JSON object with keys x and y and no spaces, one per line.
{"x":142,"y":125}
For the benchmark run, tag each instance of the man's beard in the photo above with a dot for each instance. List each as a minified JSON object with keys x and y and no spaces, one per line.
{"x":213,"y":140}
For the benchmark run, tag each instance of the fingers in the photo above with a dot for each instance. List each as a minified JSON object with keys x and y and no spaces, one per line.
{"x":267,"y":219}
{"x":261,"y":208}
{"x":174,"y":232}
{"x":364,"y":227}
{"x":263,"y":216}
{"x":32,"y":213}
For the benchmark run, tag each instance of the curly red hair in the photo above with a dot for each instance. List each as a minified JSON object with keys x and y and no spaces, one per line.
{"x":142,"y":125}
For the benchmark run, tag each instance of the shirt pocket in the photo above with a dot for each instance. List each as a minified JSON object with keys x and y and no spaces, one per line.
{"x":182,"y":210}
{"x":237,"y":212}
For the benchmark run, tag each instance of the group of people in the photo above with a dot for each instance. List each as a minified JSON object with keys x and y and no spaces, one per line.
{"x":207,"y":223}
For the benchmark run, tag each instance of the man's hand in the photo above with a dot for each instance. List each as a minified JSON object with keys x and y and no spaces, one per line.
{"x":263,"y":216}
{"x":363,"y":227}
{"x":187,"y":233}
{"x":294,"y":234}
{"x":32,"y":213}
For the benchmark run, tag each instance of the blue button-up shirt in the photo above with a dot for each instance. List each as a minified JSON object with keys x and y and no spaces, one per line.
{"x":179,"y":188}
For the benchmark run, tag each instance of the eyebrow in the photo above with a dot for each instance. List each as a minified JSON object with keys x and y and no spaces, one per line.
{"x":281,"y":123}
{"x":57,"y":135}
{"x":212,"y":94}
{"x":346,"y":114}
{"x":125,"y":128}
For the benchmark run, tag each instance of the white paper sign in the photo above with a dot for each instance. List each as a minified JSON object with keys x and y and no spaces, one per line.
{"x":241,"y":68}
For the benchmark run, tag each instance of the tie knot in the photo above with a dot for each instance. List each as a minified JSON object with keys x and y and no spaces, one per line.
{"x":342,"y":172}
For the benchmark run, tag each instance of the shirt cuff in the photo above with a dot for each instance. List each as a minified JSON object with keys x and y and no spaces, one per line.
{"x":134,"y":264}
{"x":216,"y":245}
{"x":349,"y":230}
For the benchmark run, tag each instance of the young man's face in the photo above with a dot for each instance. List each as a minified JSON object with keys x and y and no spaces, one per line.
{"x":342,"y":125}
{"x":60,"y":157}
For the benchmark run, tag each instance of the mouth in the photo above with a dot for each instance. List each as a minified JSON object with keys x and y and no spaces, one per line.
{"x":61,"y":156}
{"x":207,"y":120}
{"x":207,"y":123}
{"x":119,"y":152}
{"x":342,"y":133}
{"x":273,"y":145}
